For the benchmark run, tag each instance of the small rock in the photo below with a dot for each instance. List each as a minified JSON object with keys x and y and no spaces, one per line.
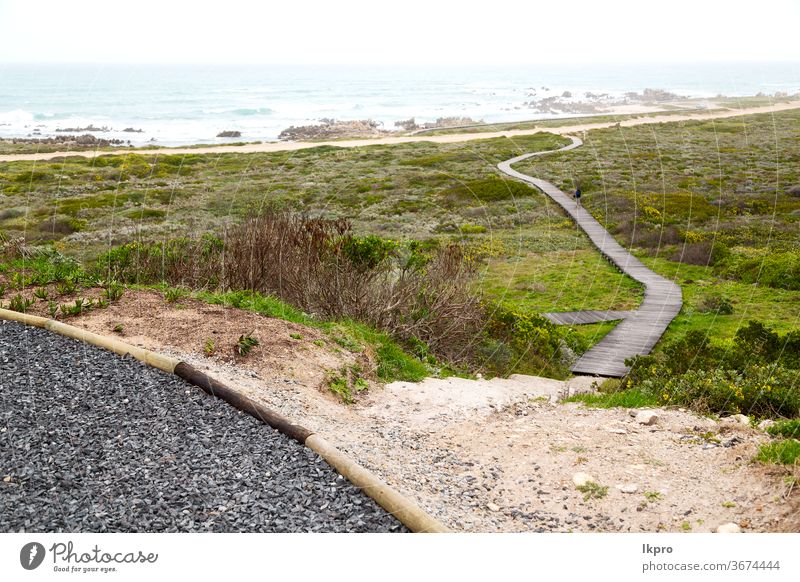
{"x":7,"y":479}
{"x":731,"y":442}
{"x":581,"y":479}
{"x":493,"y":506}
{"x":729,"y":528}
{"x":628,"y":488}
{"x":739,"y":419}
{"x":647,"y":417}
{"x":765,"y":424}
{"x":618,"y":430}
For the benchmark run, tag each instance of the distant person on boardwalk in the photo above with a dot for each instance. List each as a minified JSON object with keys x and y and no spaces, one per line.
{"x":577,"y":197}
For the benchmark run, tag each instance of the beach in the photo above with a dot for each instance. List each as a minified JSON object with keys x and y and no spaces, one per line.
{"x":452,"y":138}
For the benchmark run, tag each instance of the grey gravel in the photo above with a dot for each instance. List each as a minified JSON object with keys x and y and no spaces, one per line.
{"x":91,"y":442}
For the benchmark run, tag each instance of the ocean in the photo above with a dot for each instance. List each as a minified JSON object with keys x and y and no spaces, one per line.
{"x":175,"y":105}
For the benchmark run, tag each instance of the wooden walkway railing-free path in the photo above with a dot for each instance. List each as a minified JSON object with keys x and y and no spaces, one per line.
{"x":639,"y":330}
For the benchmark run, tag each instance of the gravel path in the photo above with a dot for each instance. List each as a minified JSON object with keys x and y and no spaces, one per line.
{"x":91,"y":442}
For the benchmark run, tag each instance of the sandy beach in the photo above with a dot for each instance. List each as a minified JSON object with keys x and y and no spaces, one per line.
{"x":452,"y":138}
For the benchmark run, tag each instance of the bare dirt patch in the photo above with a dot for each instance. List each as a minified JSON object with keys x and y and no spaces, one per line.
{"x":285,"y":350}
{"x":485,"y":455}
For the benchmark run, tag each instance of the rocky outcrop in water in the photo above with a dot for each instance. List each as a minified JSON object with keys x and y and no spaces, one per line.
{"x":333,"y":129}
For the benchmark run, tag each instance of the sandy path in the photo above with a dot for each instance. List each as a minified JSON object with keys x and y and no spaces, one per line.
{"x":453,"y":138}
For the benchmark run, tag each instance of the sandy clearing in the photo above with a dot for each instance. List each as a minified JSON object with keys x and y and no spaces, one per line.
{"x":453,"y":138}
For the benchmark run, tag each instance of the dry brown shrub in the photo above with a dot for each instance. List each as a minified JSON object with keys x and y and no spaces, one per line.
{"x":309,"y":263}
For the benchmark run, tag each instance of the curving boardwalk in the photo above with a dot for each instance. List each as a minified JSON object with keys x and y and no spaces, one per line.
{"x":640,"y":329}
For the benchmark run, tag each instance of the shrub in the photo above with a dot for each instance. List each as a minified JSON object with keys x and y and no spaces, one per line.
{"x":471,"y":229}
{"x":20,"y":303}
{"x":113,"y":291}
{"x":762,"y":391}
{"x":592,"y":490}
{"x":172,"y":294}
{"x":416,"y":291}
{"x":717,"y":304}
{"x":777,"y":270}
{"x":320,"y":267}
{"x":702,"y":253}
{"x":755,"y":374}
{"x":245,"y":344}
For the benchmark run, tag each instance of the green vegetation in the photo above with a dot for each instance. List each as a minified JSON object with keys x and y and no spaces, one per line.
{"x":346,"y":383}
{"x":173,"y":294}
{"x":713,"y":205}
{"x":393,"y":363}
{"x":624,"y":398}
{"x":245,"y":344}
{"x":398,"y":191}
{"x":592,"y":490}
{"x":20,"y":304}
{"x":782,"y":452}
{"x":756,"y":373}
{"x":785,"y":428}
{"x":652,"y":496}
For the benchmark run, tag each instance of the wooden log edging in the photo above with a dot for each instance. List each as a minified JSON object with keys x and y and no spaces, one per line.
{"x":401,"y":507}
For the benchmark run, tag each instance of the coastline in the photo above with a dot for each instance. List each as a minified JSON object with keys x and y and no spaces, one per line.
{"x":280,"y":146}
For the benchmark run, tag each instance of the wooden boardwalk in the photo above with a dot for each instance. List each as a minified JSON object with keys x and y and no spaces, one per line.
{"x":640,"y":329}
{"x":584,"y":317}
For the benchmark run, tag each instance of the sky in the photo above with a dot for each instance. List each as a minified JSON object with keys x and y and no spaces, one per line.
{"x":412,"y":32}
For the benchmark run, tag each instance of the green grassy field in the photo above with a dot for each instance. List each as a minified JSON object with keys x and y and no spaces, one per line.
{"x":673,"y":191}
{"x":665,"y":190}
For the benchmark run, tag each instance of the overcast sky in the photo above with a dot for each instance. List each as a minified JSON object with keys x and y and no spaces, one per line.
{"x":398,"y":32}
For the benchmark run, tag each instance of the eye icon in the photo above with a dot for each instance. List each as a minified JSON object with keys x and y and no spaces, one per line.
{"x":31,"y":555}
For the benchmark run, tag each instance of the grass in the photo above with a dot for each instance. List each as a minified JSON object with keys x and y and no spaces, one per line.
{"x":632,"y":398}
{"x":399,"y":190}
{"x":781,"y":452}
{"x":560,"y":280}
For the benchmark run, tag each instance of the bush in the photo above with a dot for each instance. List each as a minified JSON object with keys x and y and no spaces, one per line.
{"x":716,"y":304}
{"x":755,"y":374}
{"x":777,"y":270}
{"x":420,"y":291}
{"x":762,"y":391}
{"x":192,"y":262}
{"x":702,"y":253}
{"x":520,"y":342}
{"x":320,"y":267}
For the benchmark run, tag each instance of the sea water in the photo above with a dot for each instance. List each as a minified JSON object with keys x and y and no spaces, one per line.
{"x":174,"y":104}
